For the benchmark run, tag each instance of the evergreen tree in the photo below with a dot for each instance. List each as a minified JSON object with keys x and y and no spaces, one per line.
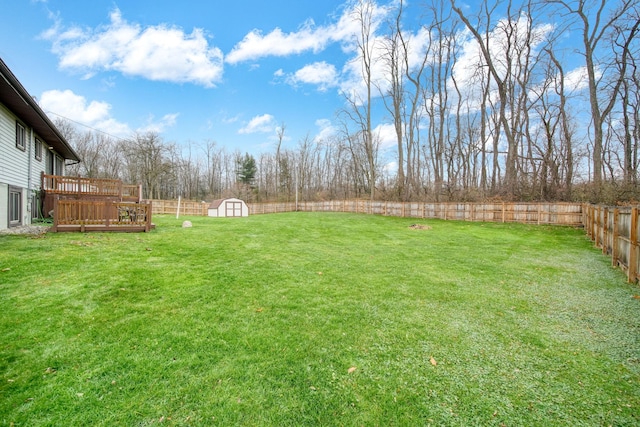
{"x":246,"y":169}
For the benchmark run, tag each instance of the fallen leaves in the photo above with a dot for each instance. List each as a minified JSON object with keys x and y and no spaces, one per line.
{"x":634,"y":297}
{"x":433,"y":361}
{"x":351,"y":370}
{"x":420,"y":227}
{"x":79,"y":243}
{"x":4,"y":270}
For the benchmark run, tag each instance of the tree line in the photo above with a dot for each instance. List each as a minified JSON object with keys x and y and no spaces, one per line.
{"x":484,"y":103}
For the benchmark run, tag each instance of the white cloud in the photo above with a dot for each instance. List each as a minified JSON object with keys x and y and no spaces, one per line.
{"x":308,"y":37}
{"x":96,"y":114}
{"x":577,"y":79}
{"x":321,"y":74}
{"x":277,"y":43}
{"x":390,"y":169}
{"x":469,"y":69}
{"x":386,"y":135}
{"x":162,"y":52}
{"x":326,"y":132}
{"x":167,"y":121}
{"x":259,"y":124}
{"x":353,"y":84}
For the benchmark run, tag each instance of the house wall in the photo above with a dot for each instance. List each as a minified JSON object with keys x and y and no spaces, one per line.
{"x":4,"y":209}
{"x":19,"y":168}
{"x":14,"y":163}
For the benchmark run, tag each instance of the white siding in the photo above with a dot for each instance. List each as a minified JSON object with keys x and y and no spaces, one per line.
{"x":37,"y":166}
{"x":4,"y":208}
{"x":14,"y":163}
{"x":18,"y":168}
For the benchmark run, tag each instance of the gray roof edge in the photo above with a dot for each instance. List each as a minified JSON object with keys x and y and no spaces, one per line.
{"x":20,"y":90}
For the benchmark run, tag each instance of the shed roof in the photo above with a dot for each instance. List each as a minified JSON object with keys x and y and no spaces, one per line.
{"x":216,"y":204}
{"x":20,"y":102}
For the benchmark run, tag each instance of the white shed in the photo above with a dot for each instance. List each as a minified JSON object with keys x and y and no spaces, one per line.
{"x":228,"y":208}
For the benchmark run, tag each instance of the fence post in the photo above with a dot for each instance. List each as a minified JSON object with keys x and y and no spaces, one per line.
{"x":147,"y":226}
{"x":56,"y":215}
{"x":633,"y":249}
{"x":614,"y":238}
{"x":605,"y":230}
{"x":108,"y":208}
{"x":539,"y":212}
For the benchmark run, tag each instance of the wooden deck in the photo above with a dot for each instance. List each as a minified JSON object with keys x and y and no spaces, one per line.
{"x":93,"y":204}
{"x":105,"y":215}
{"x":91,"y":187}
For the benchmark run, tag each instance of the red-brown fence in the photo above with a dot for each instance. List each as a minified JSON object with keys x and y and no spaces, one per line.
{"x":528,"y":213}
{"x":615,"y":231}
{"x":187,"y":207}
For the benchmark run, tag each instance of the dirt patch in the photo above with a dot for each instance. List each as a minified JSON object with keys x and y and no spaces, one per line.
{"x":32,"y":230}
{"x":420,"y":227}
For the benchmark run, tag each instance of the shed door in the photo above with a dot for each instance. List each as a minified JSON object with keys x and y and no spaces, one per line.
{"x":233,"y":208}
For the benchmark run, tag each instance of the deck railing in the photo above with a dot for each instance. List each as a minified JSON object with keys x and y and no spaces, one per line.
{"x":101,"y":215}
{"x":80,"y":187}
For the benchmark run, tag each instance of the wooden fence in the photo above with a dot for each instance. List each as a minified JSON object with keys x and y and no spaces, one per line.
{"x":528,"y":213}
{"x":187,"y":207}
{"x":93,"y":215}
{"x":615,"y":231}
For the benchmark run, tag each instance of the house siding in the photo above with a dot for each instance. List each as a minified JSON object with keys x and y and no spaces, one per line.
{"x":19,"y":168}
{"x":14,"y":163}
{"x":4,"y":201}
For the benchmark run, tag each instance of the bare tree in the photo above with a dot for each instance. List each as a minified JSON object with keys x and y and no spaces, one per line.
{"x":625,"y":46}
{"x":593,"y":26}
{"x":500,"y":80}
{"x":359,"y":108}
{"x":146,"y":161}
{"x":393,"y":92}
{"x":280,"y":135}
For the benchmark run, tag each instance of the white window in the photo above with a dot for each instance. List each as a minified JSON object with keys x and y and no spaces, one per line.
{"x":59,"y":166}
{"x":38,"y":150}
{"x":21,"y":137}
{"x":15,"y":206}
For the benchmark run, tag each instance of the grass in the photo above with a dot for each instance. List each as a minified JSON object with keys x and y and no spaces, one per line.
{"x":316,"y":319}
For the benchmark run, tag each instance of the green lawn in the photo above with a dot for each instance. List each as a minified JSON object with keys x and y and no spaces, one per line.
{"x":317,"y":319}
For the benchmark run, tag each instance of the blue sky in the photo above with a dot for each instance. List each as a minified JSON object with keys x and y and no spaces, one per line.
{"x":240,"y":86}
{"x":224,"y":71}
